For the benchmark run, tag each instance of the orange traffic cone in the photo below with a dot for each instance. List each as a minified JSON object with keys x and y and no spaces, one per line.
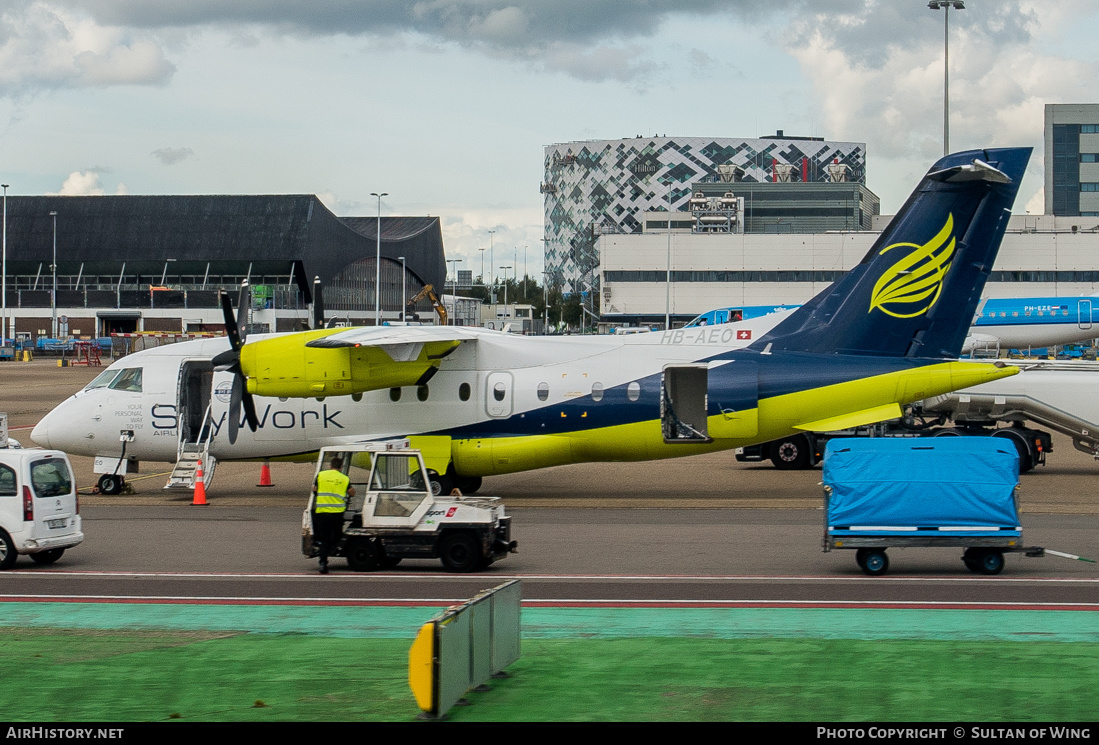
{"x":265,"y":474}
{"x":200,"y":487}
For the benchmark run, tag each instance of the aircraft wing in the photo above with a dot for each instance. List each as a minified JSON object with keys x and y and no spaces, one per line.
{"x":401,"y":343}
{"x":339,"y":362}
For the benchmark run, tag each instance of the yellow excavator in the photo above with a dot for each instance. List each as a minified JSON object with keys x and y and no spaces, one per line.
{"x":429,"y":293}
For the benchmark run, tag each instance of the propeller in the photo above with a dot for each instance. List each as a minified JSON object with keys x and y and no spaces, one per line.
{"x":318,"y":304}
{"x":229,"y":361}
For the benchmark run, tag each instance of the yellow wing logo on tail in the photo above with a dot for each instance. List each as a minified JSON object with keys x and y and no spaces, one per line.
{"x":911,"y":286}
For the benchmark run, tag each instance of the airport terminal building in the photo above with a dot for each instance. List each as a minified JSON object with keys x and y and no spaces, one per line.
{"x":1041,"y":256}
{"x":129,"y":264}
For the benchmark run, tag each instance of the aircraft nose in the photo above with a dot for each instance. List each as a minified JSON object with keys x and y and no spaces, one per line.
{"x":41,"y":432}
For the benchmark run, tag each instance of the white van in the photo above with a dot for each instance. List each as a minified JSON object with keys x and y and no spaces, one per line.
{"x":39,"y":511}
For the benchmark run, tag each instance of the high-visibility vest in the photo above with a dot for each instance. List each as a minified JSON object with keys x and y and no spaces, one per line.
{"x":331,"y":491}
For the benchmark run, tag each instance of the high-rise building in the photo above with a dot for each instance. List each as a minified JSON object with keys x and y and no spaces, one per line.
{"x":1072,"y":159}
{"x":598,"y":187}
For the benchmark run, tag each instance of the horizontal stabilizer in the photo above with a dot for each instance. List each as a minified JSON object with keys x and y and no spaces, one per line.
{"x":854,"y":419}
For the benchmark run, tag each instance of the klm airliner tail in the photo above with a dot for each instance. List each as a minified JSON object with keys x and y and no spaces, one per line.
{"x":914,"y":294}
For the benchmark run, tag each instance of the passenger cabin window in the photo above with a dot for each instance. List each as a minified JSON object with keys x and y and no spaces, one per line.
{"x":543,"y":391}
{"x":499,"y":391}
{"x":422,"y":392}
{"x":7,"y":482}
{"x":633,"y":391}
{"x":596,"y":391}
{"x":464,"y":391}
{"x":128,"y":380}
{"x":394,"y":394}
{"x":103,"y":379}
{"x":50,"y":477}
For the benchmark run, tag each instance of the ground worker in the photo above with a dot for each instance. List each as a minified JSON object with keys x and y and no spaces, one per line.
{"x":333,"y":492}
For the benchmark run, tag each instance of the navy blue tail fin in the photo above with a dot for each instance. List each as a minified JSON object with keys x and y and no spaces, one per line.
{"x":914,"y":294}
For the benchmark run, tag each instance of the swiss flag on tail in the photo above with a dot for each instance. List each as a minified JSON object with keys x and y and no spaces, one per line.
{"x":744,"y":334}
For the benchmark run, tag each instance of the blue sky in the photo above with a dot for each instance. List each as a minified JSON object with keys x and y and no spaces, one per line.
{"x":447,"y":104}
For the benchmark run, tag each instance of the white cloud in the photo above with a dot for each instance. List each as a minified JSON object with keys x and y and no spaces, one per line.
{"x":43,"y":47}
{"x":82,"y":184}
{"x":1000,"y":79}
{"x":515,"y":241}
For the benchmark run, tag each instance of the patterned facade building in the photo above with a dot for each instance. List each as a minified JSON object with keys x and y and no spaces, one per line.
{"x":598,"y":187}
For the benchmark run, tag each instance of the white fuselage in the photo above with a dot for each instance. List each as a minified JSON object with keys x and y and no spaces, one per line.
{"x":492,"y":379}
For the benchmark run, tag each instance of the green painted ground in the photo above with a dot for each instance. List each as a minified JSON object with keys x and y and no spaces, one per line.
{"x":117,"y":662}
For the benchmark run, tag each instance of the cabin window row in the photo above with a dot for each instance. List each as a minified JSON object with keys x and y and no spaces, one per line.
{"x":499,"y":392}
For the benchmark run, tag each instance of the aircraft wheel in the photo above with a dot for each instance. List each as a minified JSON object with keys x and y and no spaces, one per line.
{"x":8,"y":553}
{"x":791,"y":453}
{"x":47,"y":557}
{"x":440,"y":485}
{"x":459,"y":552}
{"x":875,"y":562}
{"x":110,"y":484}
{"x":362,"y":555}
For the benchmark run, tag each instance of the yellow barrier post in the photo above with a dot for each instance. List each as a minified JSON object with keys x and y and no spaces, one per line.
{"x":421,"y":669}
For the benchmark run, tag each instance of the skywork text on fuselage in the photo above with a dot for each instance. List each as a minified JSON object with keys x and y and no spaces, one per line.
{"x":166,"y":421}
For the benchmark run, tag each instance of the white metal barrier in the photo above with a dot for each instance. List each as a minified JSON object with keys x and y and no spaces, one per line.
{"x":463,"y":647}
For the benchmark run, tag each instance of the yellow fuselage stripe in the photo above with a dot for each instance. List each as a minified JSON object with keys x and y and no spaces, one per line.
{"x":777,"y":417}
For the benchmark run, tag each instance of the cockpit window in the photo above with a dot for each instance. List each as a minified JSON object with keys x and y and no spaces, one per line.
{"x":128,"y":380}
{"x":102,"y":380}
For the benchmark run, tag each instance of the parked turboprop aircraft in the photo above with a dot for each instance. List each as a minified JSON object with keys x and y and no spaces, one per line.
{"x":1000,"y":323}
{"x":479,"y":402}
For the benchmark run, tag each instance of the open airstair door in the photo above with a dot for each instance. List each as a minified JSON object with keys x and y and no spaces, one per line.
{"x":196,"y":379}
{"x":701,"y":403}
{"x":683,"y":404}
{"x":195,"y":387}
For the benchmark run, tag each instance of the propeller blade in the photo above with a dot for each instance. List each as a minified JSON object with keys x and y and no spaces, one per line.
{"x":226,"y":360}
{"x":318,"y":304}
{"x":244,"y":300}
{"x":234,"y":409}
{"x":231,"y":329}
{"x":249,"y":410}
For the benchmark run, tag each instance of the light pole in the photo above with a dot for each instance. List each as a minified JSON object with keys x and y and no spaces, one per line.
{"x":482,"y":266}
{"x":505,"y":268}
{"x":4,"y":285}
{"x":491,"y":264}
{"x":545,"y":302}
{"x":404,"y":285}
{"x":378,"y":266}
{"x":53,"y":268}
{"x":668,"y":277}
{"x":946,"y":5}
{"x":454,"y":291}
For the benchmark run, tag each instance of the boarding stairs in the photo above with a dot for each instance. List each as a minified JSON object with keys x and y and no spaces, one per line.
{"x":184,"y":473}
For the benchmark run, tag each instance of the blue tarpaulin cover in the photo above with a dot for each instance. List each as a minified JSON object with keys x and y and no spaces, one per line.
{"x":906,"y":486}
